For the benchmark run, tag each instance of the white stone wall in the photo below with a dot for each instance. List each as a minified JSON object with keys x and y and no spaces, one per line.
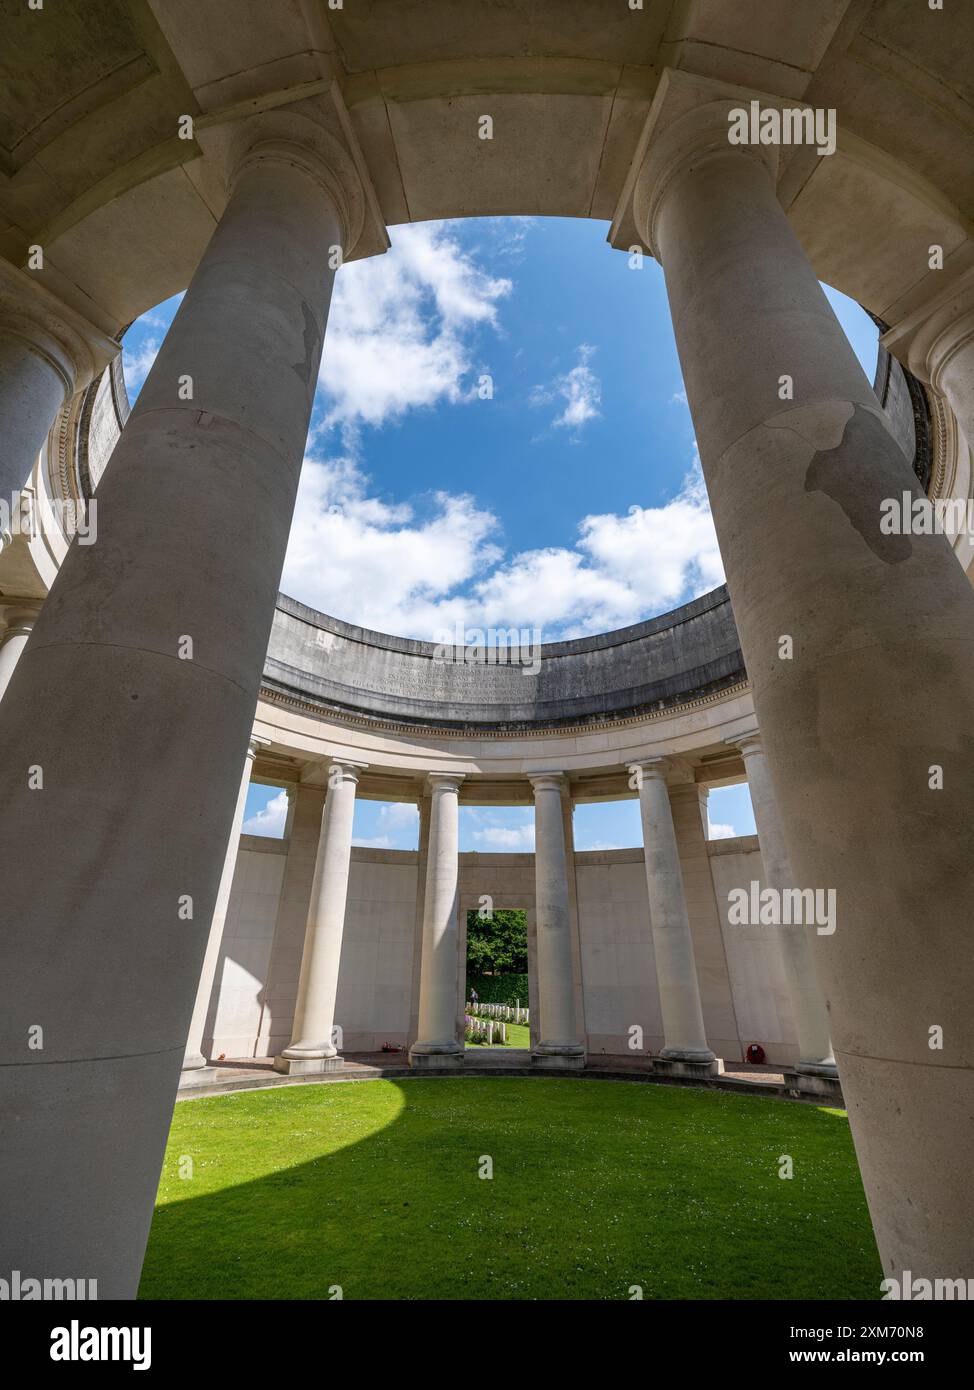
{"x":377,"y":950}
{"x":618,"y":968}
{"x":251,"y":1013}
{"x":241,"y":975}
{"x":757,"y":978}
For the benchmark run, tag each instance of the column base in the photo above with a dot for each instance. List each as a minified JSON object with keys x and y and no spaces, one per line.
{"x":436,"y":1056}
{"x":561,"y":1056}
{"x":191,"y":1077}
{"x":688,"y":1064}
{"x":557,"y":1061}
{"x":809,"y":1083}
{"x":307,"y":1066}
{"x":818,"y":1069}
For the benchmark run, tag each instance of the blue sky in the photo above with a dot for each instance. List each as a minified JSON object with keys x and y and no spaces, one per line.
{"x":564,"y":495}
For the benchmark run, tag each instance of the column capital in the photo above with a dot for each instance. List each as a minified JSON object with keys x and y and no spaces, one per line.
{"x":444,"y":781}
{"x":256,"y":743}
{"x":74,"y":348}
{"x":928,"y":340}
{"x":546,"y":781}
{"x":18,"y":615}
{"x":687,"y":124}
{"x":344,"y":770}
{"x":656,"y":767}
{"x":747,"y":742}
{"x":288,"y":137}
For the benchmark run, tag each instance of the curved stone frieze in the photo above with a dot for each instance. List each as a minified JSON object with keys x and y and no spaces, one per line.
{"x":653,"y":665}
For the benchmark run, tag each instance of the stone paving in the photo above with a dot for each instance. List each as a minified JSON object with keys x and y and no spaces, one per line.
{"x":257,"y":1073}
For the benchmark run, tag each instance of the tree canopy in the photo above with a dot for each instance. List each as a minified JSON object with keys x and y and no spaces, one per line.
{"x":497,"y":945}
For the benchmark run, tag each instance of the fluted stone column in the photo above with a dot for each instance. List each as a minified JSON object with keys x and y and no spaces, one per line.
{"x":134,"y":702}
{"x":17,"y":624}
{"x":685,"y":1046}
{"x":860,"y":651}
{"x":437,"y":1044}
{"x":312,"y":1047}
{"x":558,"y":1041}
{"x":195,"y":1070}
{"x":807,"y":1001}
{"x":48,"y":352}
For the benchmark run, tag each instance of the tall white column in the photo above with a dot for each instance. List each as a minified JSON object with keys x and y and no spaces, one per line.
{"x":807,"y":1000}
{"x":684,"y":1036}
{"x":47,"y":353}
{"x":437,"y":1044}
{"x":859,"y":647}
{"x":312,"y":1047}
{"x":194,"y":1060}
{"x":134,"y":701}
{"x":558,"y":1041}
{"x":18,"y":624}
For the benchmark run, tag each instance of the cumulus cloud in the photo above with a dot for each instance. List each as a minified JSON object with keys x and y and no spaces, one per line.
{"x":137,"y":363}
{"x":397,"y":824}
{"x":579,"y":390}
{"x":501,"y":839}
{"x":378,"y":563}
{"x":271,"y":820}
{"x":399,"y":327}
{"x":621,"y":568}
{"x":401,"y":337}
{"x":385,"y":566}
{"x":719,"y":831}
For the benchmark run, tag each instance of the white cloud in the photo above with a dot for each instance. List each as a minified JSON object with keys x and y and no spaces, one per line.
{"x":621,"y":568}
{"x":378,"y":563}
{"x":399,"y":339}
{"x":376,"y":842}
{"x":506,"y":839}
{"x":136,"y":365}
{"x":718,"y":831}
{"x":271,"y":820}
{"x":580,"y":390}
{"x":399,"y":814}
{"x":399,"y":326}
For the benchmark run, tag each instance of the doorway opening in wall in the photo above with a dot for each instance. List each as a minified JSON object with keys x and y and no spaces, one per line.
{"x":497,"y":1004}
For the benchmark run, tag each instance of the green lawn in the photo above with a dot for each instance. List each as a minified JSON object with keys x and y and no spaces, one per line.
{"x":518,"y":1035}
{"x":597,"y":1186}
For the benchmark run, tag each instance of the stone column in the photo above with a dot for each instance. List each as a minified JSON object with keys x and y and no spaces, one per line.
{"x":685,"y":1047}
{"x":18,"y":624}
{"x":860,"y":652}
{"x":312,"y":1047}
{"x":437,"y":1044}
{"x":424,"y":806}
{"x":134,"y":702}
{"x":807,"y":1001}
{"x":48,"y":352}
{"x":195,"y":1071}
{"x":558,"y":1042}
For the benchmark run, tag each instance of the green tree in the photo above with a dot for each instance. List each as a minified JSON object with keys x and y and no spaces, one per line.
{"x":497,"y":945}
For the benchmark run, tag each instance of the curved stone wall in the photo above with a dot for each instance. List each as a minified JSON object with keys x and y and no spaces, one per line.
{"x":666,"y":661}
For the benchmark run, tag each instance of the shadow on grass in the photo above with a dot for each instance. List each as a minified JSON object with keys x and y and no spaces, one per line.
{"x":597,"y":1187}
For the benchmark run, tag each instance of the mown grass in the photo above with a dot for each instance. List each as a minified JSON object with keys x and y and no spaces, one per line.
{"x":597,"y":1186}
{"x":518,"y":1035}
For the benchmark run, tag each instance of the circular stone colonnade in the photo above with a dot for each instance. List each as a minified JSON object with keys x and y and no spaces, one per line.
{"x":153,"y":148}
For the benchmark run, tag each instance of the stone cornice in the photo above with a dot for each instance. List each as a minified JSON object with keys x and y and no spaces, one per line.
{"x":687,"y":123}
{"x":295,"y":138}
{"x":75,"y":348}
{"x":346,"y":719}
